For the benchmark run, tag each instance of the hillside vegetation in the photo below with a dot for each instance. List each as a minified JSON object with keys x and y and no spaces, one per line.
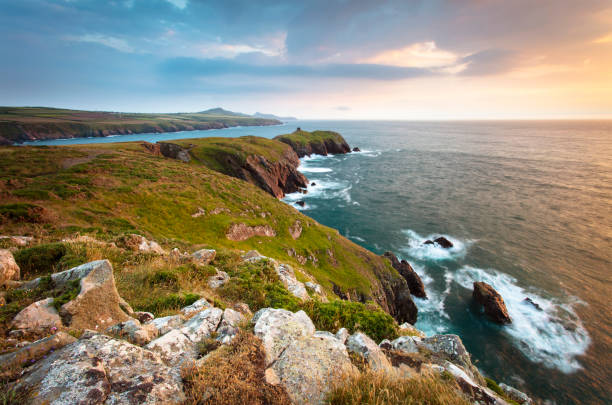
{"x":19,"y":124}
{"x":108,"y":190}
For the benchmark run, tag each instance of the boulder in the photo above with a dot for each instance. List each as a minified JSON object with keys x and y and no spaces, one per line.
{"x":493,"y":303}
{"x":537,"y":306}
{"x":295,"y":230}
{"x":241,"y":232}
{"x":451,"y":347}
{"x":443,"y":242}
{"x":196,"y":307}
{"x":167,"y":323}
{"x":173,"y":347}
{"x":9,"y":270}
{"x":40,"y":316}
{"x":406,"y":344}
{"x":415,"y":284}
{"x":202,"y":324}
{"x":301,"y":203}
{"x":356,"y":149}
{"x":314,"y":287}
{"x":287,"y":277}
{"x":278,"y":327}
{"x":218,"y":279}
{"x":475,"y":391}
{"x":98,"y":369}
{"x":204,"y":256}
{"x":342,"y":335}
{"x":97,"y":285}
{"x":134,"y":332}
{"x":309,"y":367}
{"x":365,"y":347}
{"x":516,"y":395}
{"x":229,"y":326}
{"x":313,"y":184}
{"x":33,"y":351}
{"x":141,"y":244}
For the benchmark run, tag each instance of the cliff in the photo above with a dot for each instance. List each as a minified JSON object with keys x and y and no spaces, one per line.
{"x":20,"y":124}
{"x":306,"y":143}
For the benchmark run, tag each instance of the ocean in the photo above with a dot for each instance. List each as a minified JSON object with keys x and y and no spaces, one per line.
{"x":528,"y":207}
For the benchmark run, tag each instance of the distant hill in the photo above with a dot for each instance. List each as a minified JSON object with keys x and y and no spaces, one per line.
{"x":223,"y":112}
{"x":273,"y":117}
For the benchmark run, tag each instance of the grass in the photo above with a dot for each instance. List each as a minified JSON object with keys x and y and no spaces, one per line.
{"x":303,"y":138}
{"x":377,"y":388}
{"x":49,"y":123}
{"x":233,"y":374}
{"x":493,"y":386}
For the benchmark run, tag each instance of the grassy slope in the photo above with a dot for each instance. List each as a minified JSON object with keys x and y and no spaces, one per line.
{"x":315,"y":137}
{"x":119,"y":188}
{"x":54,"y":123}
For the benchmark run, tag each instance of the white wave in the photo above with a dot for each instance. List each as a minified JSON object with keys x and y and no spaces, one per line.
{"x":418,"y":249}
{"x":553,"y":335}
{"x":306,"y":169}
{"x":433,"y":318}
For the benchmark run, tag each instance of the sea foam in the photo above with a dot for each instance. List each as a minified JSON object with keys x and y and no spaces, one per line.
{"x":553,"y":336}
{"x":418,"y":249}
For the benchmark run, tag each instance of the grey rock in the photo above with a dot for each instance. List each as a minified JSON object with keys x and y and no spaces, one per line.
{"x":516,"y":395}
{"x":173,"y":347}
{"x":134,"y":331}
{"x":204,"y":256}
{"x":167,"y":323}
{"x":202,"y":324}
{"x":196,"y":307}
{"x":38,"y":317}
{"x":218,"y":279}
{"x":35,"y":350}
{"x":365,"y":347}
{"x":342,"y":335}
{"x":143,"y":317}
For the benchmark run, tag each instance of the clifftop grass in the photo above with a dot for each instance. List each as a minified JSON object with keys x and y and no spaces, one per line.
{"x":106,"y":190}
{"x":303,"y":138}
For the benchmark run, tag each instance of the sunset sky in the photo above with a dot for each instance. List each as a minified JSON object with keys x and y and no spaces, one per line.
{"x":312,"y":59}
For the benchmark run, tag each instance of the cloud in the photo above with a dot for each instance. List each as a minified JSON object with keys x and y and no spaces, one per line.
{"x":421,"y":54}
{"x":343,"y":108}
{"x":178,"y":3}
{"x":119,"y":44}
{"x":489,"y":62}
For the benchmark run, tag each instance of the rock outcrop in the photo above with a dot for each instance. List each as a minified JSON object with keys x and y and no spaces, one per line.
{"x":440,"y":241}
{"x":98,"y":369}
{"x":96,"y":285}
{"x":240,"y":232}
{"x":139,"y":243}
{"x":417,"y":288}
{"x":317,"y":142}
{"x":493,"y":303}
{"x":9,"y":270}
{"x":38,"y":317}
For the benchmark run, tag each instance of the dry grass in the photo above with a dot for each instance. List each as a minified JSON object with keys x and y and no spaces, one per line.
{"x":376,"y":388}
{"x":233,"y":374}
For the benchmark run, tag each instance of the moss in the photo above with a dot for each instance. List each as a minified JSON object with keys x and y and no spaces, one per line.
{"x":69,"y":293}
{"x":157,"y":305}
{"x":40,"y":260}
{"x":493,"y":386}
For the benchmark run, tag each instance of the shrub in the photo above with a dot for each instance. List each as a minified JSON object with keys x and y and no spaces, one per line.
{"x":353,"y":316}
{"x":21,"y":212}
{"x":171,"y":301}
{"x":234,"y":374}
{"x":41,"y":259}
{"x":375,"y":388}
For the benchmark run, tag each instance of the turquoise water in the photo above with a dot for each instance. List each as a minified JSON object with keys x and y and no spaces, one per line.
{"x":528,"y":206}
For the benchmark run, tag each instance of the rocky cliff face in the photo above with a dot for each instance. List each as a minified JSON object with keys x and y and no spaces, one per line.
{"x":412,"y":278}
{"x":278,"y":177}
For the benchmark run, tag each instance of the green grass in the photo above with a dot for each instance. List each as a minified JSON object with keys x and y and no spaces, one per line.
{"x":125,"y":189}
{"x":304,"y":137}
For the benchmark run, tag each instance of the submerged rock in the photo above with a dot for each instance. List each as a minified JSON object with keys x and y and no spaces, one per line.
{"x":9,"y":270}
{"x":356,"y":149}
{"x":533,"y":303}
{"x":301,"y":203}
{"x":443,"y":242}
{"x":493,"y":303}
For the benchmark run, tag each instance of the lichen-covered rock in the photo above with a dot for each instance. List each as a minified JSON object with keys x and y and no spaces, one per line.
{"x":218,"y":279}
{"x":287,"y":277}
{"x":196,"y":307}
{"x":229,"y":326}
{"x":98,"y":369}
{"x":240,"y":232}
{"x":478,"y":393}
{"x":9,"y":270}
{"x":134,"y":331}
{"x":309,"y":366}
{"x":204,"y":256}
{"x":365,"y":347}
{"x":202,"y":324}
{"x":173,"y":347}
{"x":342,"y":335}
{"x":98,"y":304}
{"x":167,"y":323}
{"x":408,"y":329}
{"x":314,"y":287}
{"x":295,"y":230}
{"x":493,"y":303}
{"x":516,"y":395}
{"x":139,"y":243}
{"x":38,"y":317}
{"x":33,"y":351}
{"x":144,"y":317}
{"x":277,"y":328}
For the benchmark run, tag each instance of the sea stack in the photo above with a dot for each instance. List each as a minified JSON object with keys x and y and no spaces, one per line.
{"x":493,"y":303}
{"x":415,"y":284}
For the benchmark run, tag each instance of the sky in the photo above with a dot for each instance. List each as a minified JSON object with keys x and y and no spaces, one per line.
{"x":336,"y":59}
